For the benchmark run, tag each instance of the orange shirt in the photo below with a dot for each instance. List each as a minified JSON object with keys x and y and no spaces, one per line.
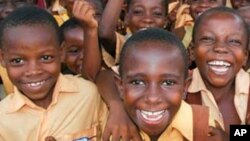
{"x":76,"y":111}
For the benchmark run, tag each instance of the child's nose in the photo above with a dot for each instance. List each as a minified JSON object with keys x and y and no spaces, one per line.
{"x":33,"y":69}
{"x":148,"y":19}
{"x":220,"y":47}
{"x":152,"y":95}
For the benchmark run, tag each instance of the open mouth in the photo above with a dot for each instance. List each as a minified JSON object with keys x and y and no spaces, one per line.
{"x":36,"y":84}
{"x":152,"y":117}
{"x":219,"y":66}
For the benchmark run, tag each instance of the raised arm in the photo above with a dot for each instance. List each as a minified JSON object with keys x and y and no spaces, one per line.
{"x":84,"y":13}
{"x":107,"y":29}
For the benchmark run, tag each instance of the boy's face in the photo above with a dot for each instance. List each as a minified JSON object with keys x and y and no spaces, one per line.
{"x":146,"y":13}
{"x":73,"y":49}
{"x":220,"y":48}
{"x":7,"y":6}
{"x":197,"y":7}
{"x":152,"y":87}
{"x":32,"y":57}
{"x":236,"y":4}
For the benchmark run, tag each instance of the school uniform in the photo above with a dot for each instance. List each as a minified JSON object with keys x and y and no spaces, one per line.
{"x":76,"y":111}
{"x":110,"y":60}
{"x":242,"y":83}
{"x":7,"y":84}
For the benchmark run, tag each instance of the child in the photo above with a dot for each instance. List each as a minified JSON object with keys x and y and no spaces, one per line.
{"x":31,"y":53}
{"x":6,"y":7}
{"x":73,"y":51}
{"x":153,"y":86}
{"x":73,"y":42}
{"x":220,"y":51}
{"x":140,"y":14}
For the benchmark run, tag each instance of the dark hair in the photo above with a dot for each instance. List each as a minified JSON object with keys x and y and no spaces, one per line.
{"x":69,"y":24}
{"x":30,"y":16}
{"x":154,"y":35}
{"x":165,"y":4}
{"x":218,"y":10}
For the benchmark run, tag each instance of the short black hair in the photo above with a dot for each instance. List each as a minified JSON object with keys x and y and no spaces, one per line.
{"x":218,"y":10}
{"x":30,"y":16}
{"x":154,"y":35}
{"x":165,"y":4}
{"x":69,"y":24}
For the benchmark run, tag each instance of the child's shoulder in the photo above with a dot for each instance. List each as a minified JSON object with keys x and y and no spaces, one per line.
{"x":80,"y":83}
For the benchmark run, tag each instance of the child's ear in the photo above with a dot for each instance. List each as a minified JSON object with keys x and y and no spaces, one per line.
{"x":187,"y":83}
{"x":119,"y":85}
{"x":246,"y":56}
{"x":1,"y":58}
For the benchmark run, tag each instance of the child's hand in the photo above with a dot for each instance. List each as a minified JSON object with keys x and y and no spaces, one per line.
{"x":85,"y":14}
{"x":217,"y":133}
{"x":119,"y":126}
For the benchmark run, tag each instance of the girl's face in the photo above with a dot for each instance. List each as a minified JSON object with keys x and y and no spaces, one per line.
{"x":145,"y":13}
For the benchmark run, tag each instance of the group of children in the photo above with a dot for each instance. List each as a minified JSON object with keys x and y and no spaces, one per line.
{"x":137,"y":86}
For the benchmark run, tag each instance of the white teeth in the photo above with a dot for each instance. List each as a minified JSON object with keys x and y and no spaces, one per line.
{"x":219,"y":63}
{"x":152,"y":116}
{"x":35,"y":84}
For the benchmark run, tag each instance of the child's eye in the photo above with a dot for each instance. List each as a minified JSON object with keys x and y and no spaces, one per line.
{"x":47,"y":58}
{"x":158,"y":13}
{"x":137,"y":82}
{"x":73,"y":50}
{"x":207,"y":39}
{"x":168,"y":83}
{"x":234,"y":42}
{"x":137,"y":11}
{"x":16,"y":61}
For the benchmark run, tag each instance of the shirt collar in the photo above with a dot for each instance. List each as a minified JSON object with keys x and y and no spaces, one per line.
{"x":63,"y":85}
{"x":197,"y":83}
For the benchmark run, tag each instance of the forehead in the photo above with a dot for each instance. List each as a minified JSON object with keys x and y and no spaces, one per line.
{"x":152,"y":53}
{"x":222,"y":20}
{"x":26,"y":35}
{"x":148,"y":3}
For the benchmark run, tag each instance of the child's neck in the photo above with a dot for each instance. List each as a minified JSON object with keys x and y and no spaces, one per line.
{"x":221,"y":93}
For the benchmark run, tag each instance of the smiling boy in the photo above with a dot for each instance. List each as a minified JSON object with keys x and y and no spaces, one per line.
{"x":45,"y":103}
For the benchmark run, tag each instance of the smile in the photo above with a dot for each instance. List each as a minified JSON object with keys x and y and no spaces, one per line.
{"x":36,"y":84}
{"x":219,"y":67}
{"x":152,"y":116}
